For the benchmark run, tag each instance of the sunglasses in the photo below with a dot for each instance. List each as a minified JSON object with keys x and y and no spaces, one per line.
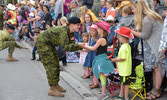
{"x":134,"y":1}
{"x":109,"y":21}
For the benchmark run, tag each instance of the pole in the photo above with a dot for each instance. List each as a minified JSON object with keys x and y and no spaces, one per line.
{"x":62,"y":7}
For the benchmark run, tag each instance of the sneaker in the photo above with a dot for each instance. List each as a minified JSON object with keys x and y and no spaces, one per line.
{"x":119,"y":98}
{"x":103,"y":97}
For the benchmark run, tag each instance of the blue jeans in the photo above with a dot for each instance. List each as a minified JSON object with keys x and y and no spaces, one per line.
{"x":30,"y":30}
{"x":166,"y":62}
{"x":63,"y":59}
{"x":34,"y":49}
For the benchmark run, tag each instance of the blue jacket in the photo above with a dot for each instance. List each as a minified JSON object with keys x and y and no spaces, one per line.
{"x":111,"y":35}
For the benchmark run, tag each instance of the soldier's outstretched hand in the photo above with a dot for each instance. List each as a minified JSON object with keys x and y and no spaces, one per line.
{"x":81,"y":45}
{"x":24,"y":48}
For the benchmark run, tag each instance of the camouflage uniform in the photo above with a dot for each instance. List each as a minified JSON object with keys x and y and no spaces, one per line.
{"x":6,"y":41}
{"x":46,"y":42}
{"x":1,"y":21}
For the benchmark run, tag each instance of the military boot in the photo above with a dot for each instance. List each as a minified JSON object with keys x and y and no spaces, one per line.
{"x":59,"y":88}
{"x":33,"y":56}
{"x":10,"y":58}
{"x":55,"y":92}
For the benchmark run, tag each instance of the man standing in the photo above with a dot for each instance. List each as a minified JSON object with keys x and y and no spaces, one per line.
{"x":46,"y":43}
{"x":75,"y":9}
{"x":6,"y":41}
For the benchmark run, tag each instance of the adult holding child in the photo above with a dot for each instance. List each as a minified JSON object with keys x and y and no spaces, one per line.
{"x":149,"y":28}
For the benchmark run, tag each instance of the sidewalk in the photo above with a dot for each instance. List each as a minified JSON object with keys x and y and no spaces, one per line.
{"x":72,"y":75}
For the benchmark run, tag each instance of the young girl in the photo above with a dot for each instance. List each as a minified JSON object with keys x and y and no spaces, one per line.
{"x":63,"y":21}
{"x":83,"y":53}
{"x":90,"y":57}
{"x":87,"y":22}
{"x":101,"y":64}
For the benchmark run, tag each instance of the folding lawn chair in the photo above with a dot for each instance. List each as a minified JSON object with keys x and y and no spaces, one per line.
{"x":138,"y":87}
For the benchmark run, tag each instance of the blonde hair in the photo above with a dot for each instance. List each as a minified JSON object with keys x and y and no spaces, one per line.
{"x":144,"y":11}
{"x":91,"y":22}
{"x":83,"y":10}
{"x":96,"y":35}
{"x":64,"y":19}
{"x":85,"y":34}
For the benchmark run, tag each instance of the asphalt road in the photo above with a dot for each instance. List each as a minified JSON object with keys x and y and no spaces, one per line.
{"x":26,"y":79}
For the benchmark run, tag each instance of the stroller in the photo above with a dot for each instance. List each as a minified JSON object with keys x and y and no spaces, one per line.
{"x":113,"y":79}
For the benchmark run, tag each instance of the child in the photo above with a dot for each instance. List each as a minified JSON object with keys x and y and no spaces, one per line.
{"x":25,"y":31}
{"x":127,"y":19}
{"x":87,"y":22}
{"x":83,"y":52}
{"x":101,"y":65}
{"x":48,"y":25}
{"x":90,"y":57}
{"x":124,"y":61}
{"x":19,"y":20}
{"x":63,"y":21}
{"x":36,"y":32}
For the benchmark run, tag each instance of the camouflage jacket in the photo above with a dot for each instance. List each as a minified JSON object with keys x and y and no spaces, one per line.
{"x":59,"y":35}
{"x":5,"y":36}
{"x":1,"y":15}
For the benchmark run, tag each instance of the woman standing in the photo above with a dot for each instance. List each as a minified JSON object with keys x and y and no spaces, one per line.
{"x":47,"y":16}
{"x":149,"y":28}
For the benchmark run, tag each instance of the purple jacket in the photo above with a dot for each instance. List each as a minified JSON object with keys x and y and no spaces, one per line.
{"x":66,"y":10}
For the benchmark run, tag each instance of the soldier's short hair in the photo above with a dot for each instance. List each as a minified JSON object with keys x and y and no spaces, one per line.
{"x":74,"y":20}
{"x":10,"y":26}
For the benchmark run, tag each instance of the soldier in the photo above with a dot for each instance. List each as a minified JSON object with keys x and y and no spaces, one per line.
{"x":6,"y":41}
{"x":1,"y":16}
{"x":46,"y":42}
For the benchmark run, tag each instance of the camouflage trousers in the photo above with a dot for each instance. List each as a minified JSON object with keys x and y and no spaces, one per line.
{"x":1,"y":25}
{"x":6,"y":44}
{"x":50,"y":61}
